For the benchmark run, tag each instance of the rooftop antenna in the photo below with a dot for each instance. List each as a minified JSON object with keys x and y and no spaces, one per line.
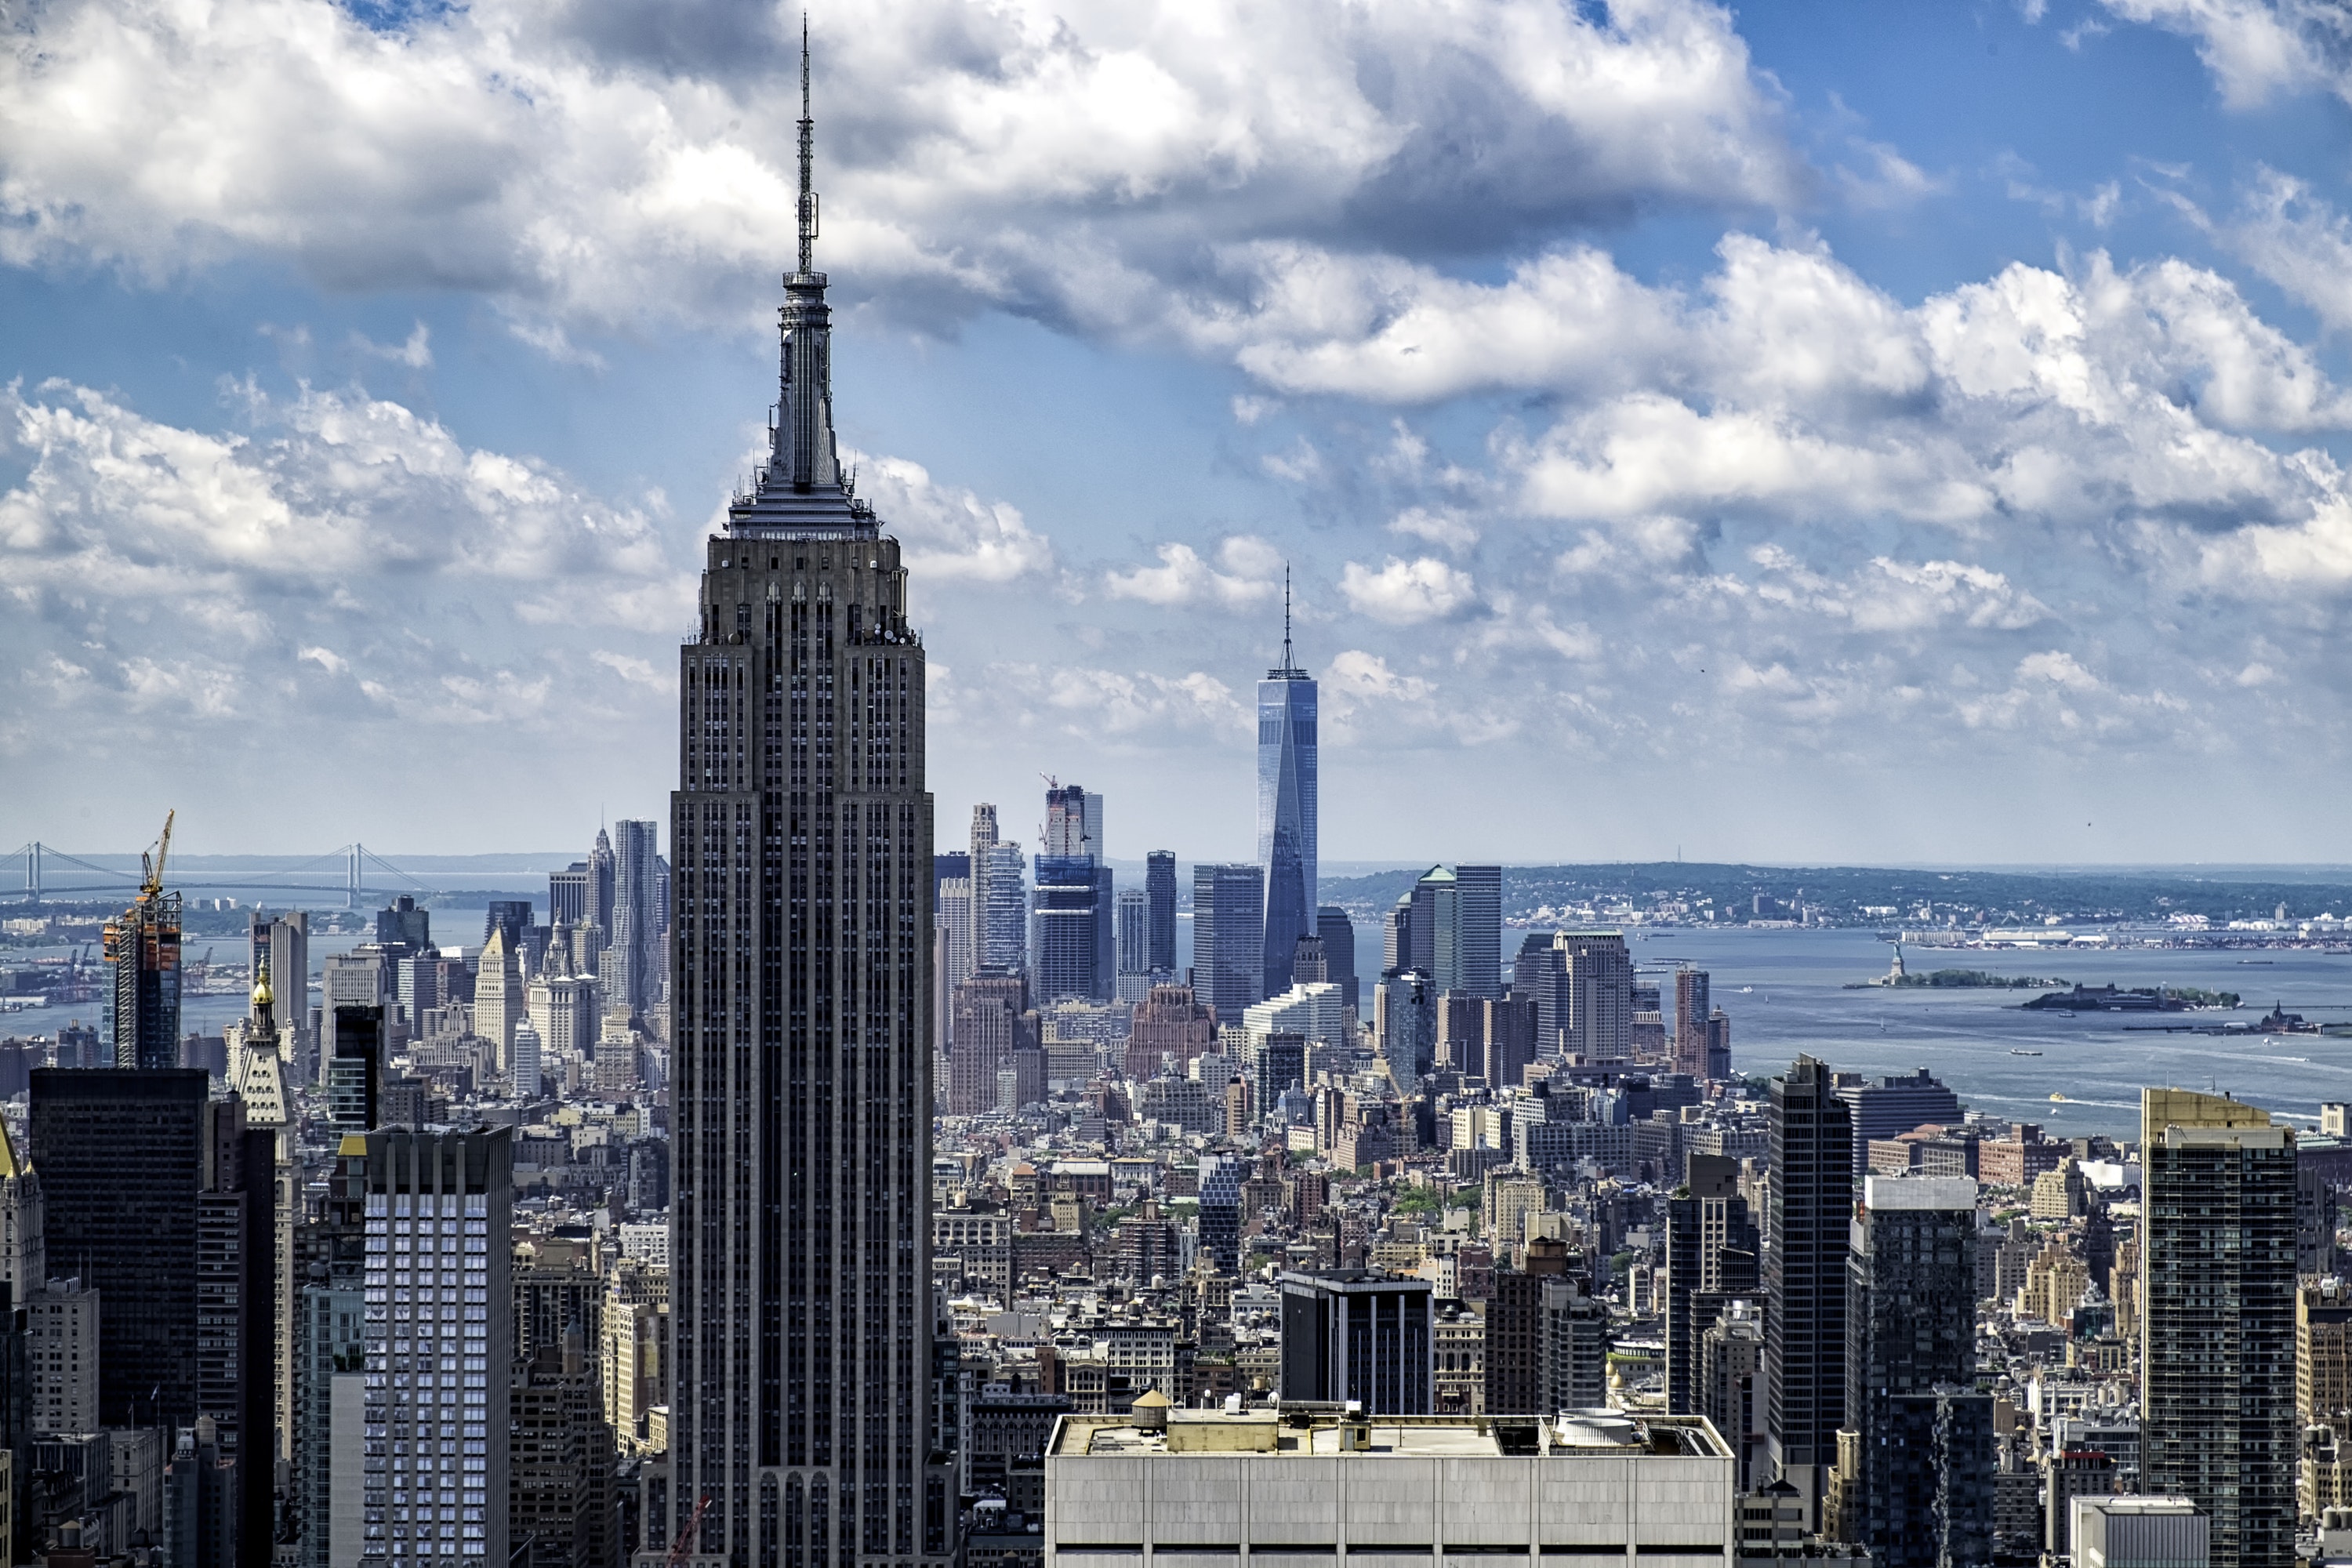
{"x":1286,"y":614}
{"x":808,"y":148}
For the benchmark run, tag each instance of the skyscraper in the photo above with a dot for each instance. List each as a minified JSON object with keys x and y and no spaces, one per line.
{"x":1710,"y":1262}
{"x":2217,"y":1340}
{"x":1691,"y":1010}
{"x":1159,"y":888}
{"x":1339,"y":934}
{"x":1134,"y":931}
{"x":1805,"y":1273}
{"x":142,"y":950}
{"x":435,"y":1463}
{"x":1478,"y":932}
{"x":498,"y":998}
{"x":1598,"y":985}
{"x":1924,"y":1493}
{"x":801,"y":832}
{"x":283,"y":944}
{"x":1074,"y":822}
{"x":1287,"y":766}
{"x":1067,"y":927}
{"x":601,"y":878}
{"x":1229,"y":938}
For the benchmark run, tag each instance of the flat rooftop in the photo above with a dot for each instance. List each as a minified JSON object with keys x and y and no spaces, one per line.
{"x":1592,"y":1435}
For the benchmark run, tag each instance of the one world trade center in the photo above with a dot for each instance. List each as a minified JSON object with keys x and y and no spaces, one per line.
{"x":1285,"y":806}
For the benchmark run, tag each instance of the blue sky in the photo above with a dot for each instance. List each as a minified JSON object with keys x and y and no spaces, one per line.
{"x":1823,"y":432}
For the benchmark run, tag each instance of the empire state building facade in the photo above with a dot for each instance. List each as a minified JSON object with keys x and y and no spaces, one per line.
{"x":800,"y":838}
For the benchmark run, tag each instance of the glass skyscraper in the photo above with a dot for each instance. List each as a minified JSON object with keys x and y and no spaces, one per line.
{"x":1285,"y":809}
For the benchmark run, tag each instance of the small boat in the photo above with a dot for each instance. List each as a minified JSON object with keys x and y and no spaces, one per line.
{"x":2057,"y":1096}
{"x":2016,"y":1052}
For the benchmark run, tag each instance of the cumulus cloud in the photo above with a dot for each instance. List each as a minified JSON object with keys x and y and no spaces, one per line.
{"x":604,"y":164}
{"x":2298,"y":241}
{"x":2258,"y":47}
{"x":950,"y":533}
{"x":1182,"y":578}
{"x":1406,"y":592}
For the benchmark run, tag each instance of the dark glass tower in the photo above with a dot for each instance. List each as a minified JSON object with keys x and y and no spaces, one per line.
{"x":801,"y":1282}
{"x":1804,"y":1268}
{"x":1710,"y":1262}
{"x":1285,"y":809}
{"x":1159,"y":894}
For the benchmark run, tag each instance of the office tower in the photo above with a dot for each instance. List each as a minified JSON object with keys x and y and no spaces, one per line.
{"x":1598,"y":985}
{"x":1229,"y":938}
{"x":1894,"y":1106}
{"x":200,"y":1509}
{"x":567,"y":895}
{"x":512,"y":916}
{"x":1352,"y":1336}
{"x":259,"y":1081}
{"x":62,"y":1346}
{"x":560,"y":1514}
{"x":2126,"y":1532}
{"x":801,"y":1246}
{"x":236,"y":1314}
{"x":1691,"y":1010}
{"x":354,"y":979}
{"x":636,"y":916}
{"x":523,"y":1075}
{"x":1134,"y":931}
{"x":2322,"y":1355}
{"x":1281,"y":1065}
{"x":564,"y":1010}
{"x":1513,"y":1352}
{"x":1404,"y":1025}
{"x":1397,"y":937}
{"x":1000,"y":907}
{"x":435,"y":1471}
{"x":1730,"y":1374}
{"x":1339,"y":934}
{"x":1539,"y":974}
{"x":416,"y":989}
{"x":1074,"y":822}
{"x":1643,"y":1489}
{"x":1159,"y":888}
{"x":401,"y":924}
{"x":355,"y":1068}
{"x":602,"y":878}
{"x":1286,"y":768}
{"x":1509,"y":1038}
{"x":1170,"y":1025}
{"x":1065,"y":915}
{"x":1221,"y":1210}
{"x":1924,"y":1494}
{"x":499,"y":996}
{"x":992,"y":1020}
{"x":2217,"y":1337}
{"x":141,"y":949}
{"x":1477,"y":941}
{"x":282,"y":946}
{"x":121,"y":1155}
{"x":23,"y":1256}
{"x":1572,"y":1340}
{"x":330,"y":1398}
{"x":1804,"y":1269}
{"x":1710,"y":1262}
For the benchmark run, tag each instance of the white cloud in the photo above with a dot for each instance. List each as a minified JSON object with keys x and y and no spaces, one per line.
{"x":416,"y":352}
{"x":2258,"y":47}
{"x":1183,"y":578}
{"x":1407,"y":592}
{"x":1443,"y":526}
{"x":950,"y":533}
{"x":2299,"y":242}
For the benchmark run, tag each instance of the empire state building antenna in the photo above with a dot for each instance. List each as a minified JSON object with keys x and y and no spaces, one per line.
{"x":808,"y":158}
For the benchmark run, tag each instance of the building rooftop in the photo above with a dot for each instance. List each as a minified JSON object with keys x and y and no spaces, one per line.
{"x":1324,"y":1429}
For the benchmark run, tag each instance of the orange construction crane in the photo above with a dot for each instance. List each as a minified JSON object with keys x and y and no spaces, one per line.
{"x":683,"y":1547}
{"x":150,"y":866}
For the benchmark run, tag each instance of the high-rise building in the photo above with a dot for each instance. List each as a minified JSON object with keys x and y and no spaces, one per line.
{"x":356,"y":979}
{"x":499,"y":996}
{"x":1691,"y":1010}
{"x":258,"y":1079}
{"x":800,"y":1284}
{"x":1229,"y":938}
{"x":1220,"y":1177}
{"x":1074,"y":822}
{"x":282,"y":946}
{"x":1894,"y":1106}
{"x":2217,"y":1335}
{"x":1287,"y":769}
{"x":121,"y":1154}
{"x":526,"y":1061}
{"x":435,"y":1470}
{"x":62,"y":1350}
{"x":1170,"y":1026}
{"x":1134,"y":931}
{"x":23,"y":1254}
{"x":512,"y":916}
{"x":355,"y":1067}
{"x":992,"y":1020}
{"x":331,"y":1314}
{"x":567,"y":895}
{"x":402,"y":925}
{"x":602,"y":878}
{"x":1924,"y":1494}
{"x":1000,"y":907}
{"x":1804,"y":1269}
{"x":560,"y":1514}
{"x":635,"y":948}
{"x":1348,"y":1335}
{"x":1598,"y":986}
{"x":1069,"y":928}
{"x":1541,"y":975}
{"x":237,"y":1310}
{"x":1711,"y":1248}
{"x":1477,"y":942}
{"x":1339,"y":934}
{"x":142,"y":948}
{"x":1159,"y":888}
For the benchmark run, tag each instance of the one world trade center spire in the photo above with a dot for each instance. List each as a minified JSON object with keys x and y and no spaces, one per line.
{"x":1286,"y":805}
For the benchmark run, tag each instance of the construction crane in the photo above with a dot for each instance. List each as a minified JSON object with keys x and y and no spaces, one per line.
{"x":150,"y":866}
{"x":683,"y":1547}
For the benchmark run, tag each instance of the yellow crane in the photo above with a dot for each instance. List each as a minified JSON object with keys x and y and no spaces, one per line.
{"x":150,"y":866}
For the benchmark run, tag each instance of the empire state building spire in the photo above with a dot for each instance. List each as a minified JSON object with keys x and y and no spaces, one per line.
{"x":801,"y":485}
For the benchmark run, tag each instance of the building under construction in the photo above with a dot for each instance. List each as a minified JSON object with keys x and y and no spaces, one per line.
{"x":142,"y":963}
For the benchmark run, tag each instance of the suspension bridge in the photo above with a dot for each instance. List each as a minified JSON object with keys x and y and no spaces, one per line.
{"x":35,"y":872}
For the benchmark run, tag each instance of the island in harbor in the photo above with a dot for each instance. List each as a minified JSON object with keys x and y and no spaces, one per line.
{"x":2145,"y":999}
{"x":1896,"y":977}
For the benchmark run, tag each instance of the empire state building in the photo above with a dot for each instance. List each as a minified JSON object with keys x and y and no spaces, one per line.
{"x":801,"y":1293}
